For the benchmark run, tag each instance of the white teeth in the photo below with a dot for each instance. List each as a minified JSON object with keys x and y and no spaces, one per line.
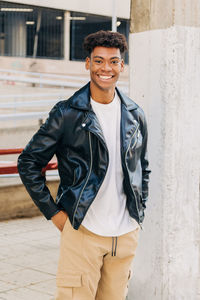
{"x":105,"y":77}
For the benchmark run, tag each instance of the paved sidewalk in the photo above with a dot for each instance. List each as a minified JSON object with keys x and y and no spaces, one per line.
{"x":29,"y":251}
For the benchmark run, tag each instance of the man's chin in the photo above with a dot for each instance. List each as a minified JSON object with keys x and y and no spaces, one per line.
{"x":106,"y":87}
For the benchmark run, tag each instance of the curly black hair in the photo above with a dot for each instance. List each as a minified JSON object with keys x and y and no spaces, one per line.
{"x":107,"y":39}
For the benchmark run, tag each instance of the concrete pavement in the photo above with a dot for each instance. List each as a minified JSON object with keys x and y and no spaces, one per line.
{"x":29,"y":250}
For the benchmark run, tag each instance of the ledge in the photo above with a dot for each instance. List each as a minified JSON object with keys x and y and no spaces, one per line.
{"x":15,"y":202}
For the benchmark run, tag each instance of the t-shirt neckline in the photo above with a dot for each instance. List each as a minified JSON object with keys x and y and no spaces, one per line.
{"x":105,"y":105}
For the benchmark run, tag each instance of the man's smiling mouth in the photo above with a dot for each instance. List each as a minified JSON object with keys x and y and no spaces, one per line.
{"x":105,"y":77}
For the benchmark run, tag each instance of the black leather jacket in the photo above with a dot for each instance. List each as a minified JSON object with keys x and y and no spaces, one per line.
{"x":73,"y":133}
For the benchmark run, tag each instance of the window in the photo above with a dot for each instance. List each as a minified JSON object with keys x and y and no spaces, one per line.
{"x":29,"y":31}
{"x":83,"y":24}
{"x":123,"y":26}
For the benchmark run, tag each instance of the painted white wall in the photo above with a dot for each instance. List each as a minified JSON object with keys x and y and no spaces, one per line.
{"x":103,"y":7}
{"x":164,"y":80}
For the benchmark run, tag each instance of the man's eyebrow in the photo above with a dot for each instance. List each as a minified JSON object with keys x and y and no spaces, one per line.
{"x":96,"y":56}
{"x":114,"y":57}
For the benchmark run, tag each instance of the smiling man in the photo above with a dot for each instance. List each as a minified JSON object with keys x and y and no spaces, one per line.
{"x":99,"y":136}
{"x":105,"y":65}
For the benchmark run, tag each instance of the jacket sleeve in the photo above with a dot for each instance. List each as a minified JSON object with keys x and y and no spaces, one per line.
{"x":144,"y":162}
{"x":35,"y":156}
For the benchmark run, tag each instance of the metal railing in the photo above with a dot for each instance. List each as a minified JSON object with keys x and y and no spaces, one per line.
{"x":8,"y":168}
{"x":24,"y":104}
{"x":76,"y":82}
{"x":71,"y":81}
{"x":39,"y":78}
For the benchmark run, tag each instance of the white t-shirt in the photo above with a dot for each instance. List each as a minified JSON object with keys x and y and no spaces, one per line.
{"x":108,"y":215}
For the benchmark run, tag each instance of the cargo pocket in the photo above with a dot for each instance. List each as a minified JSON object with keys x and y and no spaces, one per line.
{"x":66,"y":284}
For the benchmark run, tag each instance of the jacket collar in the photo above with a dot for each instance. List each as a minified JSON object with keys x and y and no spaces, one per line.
{"x":81,"y":99}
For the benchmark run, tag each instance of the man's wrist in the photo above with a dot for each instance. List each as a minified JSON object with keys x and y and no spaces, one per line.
{"x":59,"y":219}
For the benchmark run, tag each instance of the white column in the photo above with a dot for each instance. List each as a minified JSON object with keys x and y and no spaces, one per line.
{"x":165,"y":81}
{"x":66,"y":35}
{"x":114,"y":16}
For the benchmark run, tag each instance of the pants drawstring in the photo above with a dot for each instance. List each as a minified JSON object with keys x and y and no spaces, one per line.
{"x":114,"y":247}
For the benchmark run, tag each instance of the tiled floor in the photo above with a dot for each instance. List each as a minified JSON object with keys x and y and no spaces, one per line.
{"x":29,"y":251}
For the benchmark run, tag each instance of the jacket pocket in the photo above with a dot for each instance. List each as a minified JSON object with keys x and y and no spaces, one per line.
{"x":59,"y":197}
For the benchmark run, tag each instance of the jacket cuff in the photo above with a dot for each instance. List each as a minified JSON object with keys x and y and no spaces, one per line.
{"x":50,"y":211}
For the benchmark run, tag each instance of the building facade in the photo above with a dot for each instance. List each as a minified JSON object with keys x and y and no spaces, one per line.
{"x":54,"y":31}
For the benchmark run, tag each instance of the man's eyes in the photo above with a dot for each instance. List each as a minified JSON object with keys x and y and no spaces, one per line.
{"x":113,"y":62}
{"x":97,"y":61}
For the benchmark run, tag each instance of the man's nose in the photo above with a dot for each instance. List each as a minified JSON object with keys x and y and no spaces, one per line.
{"x":107,"y":66}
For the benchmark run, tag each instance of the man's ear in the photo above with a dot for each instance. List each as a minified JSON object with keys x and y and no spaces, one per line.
{"x":122,"y":65}
{"x":87,"y":63}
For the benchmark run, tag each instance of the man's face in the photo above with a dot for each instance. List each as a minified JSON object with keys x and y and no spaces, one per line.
{"x":105,"y":65}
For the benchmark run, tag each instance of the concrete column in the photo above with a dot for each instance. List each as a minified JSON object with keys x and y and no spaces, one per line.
{"x":165,"y":81}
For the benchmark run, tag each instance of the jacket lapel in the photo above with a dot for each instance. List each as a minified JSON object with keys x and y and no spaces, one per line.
{"x":81,"y":101}
{"x":128,"y":127}
{"x":128,"y":122}
{"x":92,"y":124}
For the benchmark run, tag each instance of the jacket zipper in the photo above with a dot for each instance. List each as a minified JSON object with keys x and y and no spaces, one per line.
{"x":91,"y":163}
{"x":136,"y":131}
{"x":57,"y":201}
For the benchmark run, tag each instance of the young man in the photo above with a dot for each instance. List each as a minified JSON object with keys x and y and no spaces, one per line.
{"x":99,"y":137}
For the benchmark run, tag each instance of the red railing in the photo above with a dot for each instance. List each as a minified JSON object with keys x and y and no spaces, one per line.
{"x":11,"y":168}
{"x":10,"y":151}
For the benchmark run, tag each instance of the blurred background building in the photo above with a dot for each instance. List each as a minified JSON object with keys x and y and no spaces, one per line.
{"x":42,"y":36}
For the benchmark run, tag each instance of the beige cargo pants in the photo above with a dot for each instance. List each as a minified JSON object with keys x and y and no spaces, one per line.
{"x":92,"y":267}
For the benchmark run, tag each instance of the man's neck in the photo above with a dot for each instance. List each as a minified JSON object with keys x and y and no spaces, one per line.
{"x":102,"y":96}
